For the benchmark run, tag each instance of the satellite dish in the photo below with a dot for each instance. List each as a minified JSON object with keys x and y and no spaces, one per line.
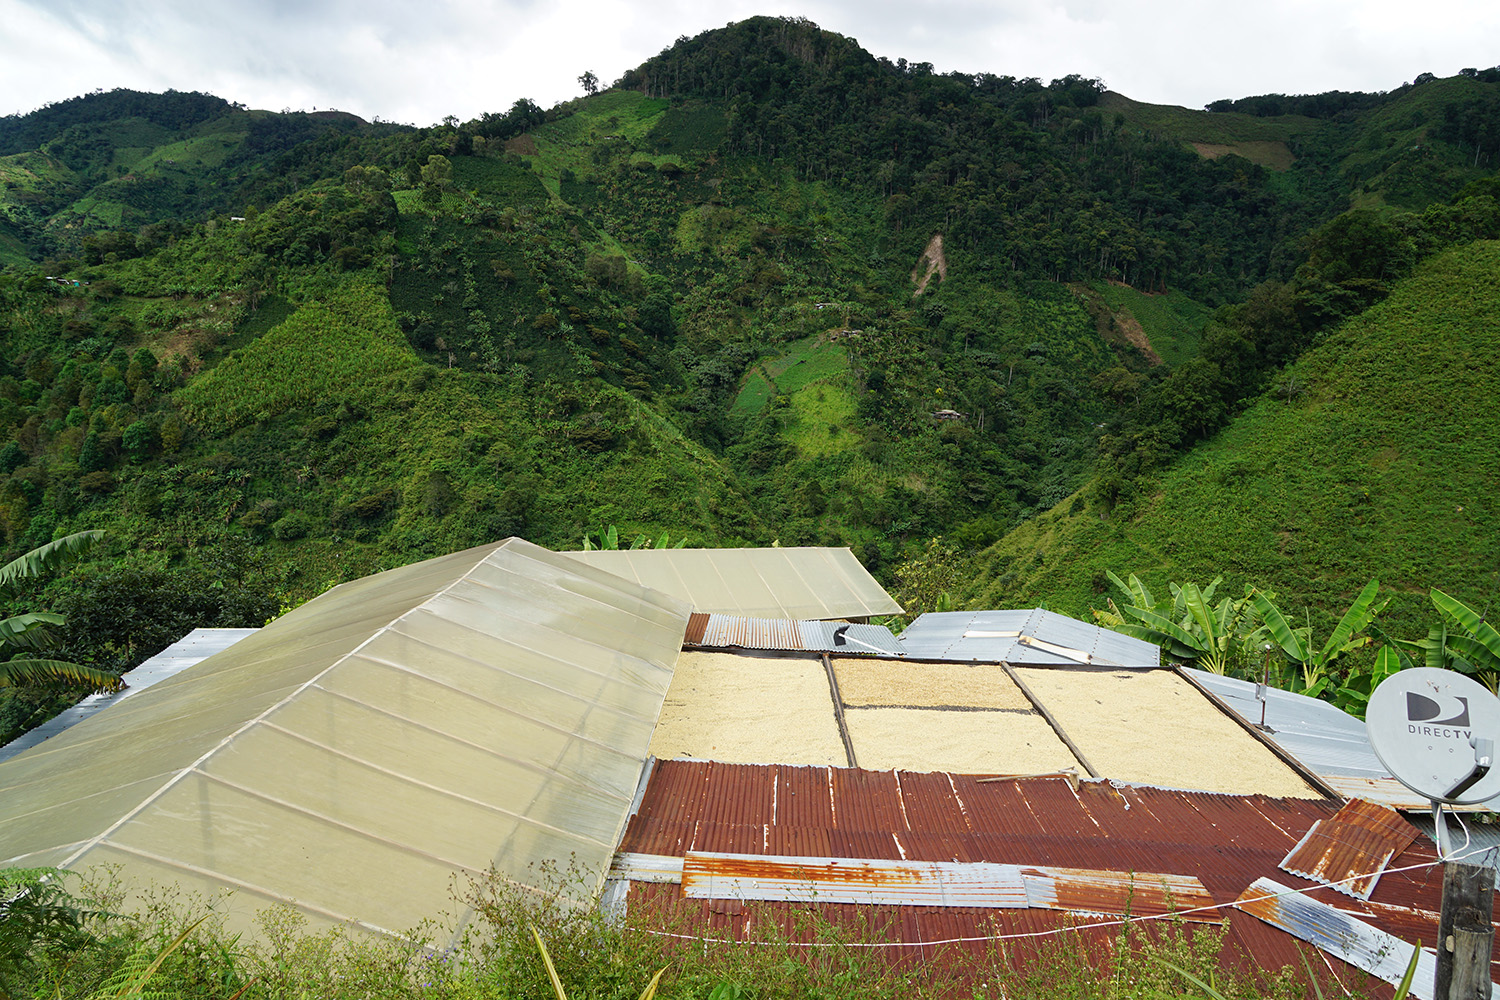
{"x":1436,"y":731}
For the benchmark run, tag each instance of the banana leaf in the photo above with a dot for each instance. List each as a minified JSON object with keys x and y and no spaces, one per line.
{"x":1135,"y":591}
{"x":22,"y":632}
{"x":44,"y":557}
{"x":1474,"y":624}
{"x":24,"y":672}
{"x":1165,"y":633}
{"x":1355,"y":620}
{"x":1292,"y":641}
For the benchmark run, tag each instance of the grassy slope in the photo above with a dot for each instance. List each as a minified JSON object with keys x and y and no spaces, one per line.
{"x":1260,"y":140}
{"x":509,"y":457}
{"x":1385,"y":465}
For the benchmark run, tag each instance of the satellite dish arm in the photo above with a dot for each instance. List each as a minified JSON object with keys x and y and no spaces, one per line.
{"x":1484,"y":756}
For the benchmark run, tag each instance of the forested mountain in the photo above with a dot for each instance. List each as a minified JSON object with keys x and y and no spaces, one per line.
{"x":767,"y":287}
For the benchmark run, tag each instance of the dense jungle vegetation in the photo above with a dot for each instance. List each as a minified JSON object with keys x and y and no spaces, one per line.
{"x":995,"y":334}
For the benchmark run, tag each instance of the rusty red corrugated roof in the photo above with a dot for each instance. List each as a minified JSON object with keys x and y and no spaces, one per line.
{"x":1349,"y":850}
{"x":1226,"y":842}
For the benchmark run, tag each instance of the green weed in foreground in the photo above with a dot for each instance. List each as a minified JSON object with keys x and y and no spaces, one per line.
{"x":791,"y":954}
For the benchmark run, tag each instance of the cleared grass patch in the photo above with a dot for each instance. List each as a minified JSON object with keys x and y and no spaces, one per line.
{"x":807,"y":361}
{"x":1172,"y":322}
{"x":610,"y":117}
{"x":822,"y":418}
{"x":799,"y":365}
{"x":1271,"y":154}
{"x":1222,"y":128}
{"x":754,"y":394}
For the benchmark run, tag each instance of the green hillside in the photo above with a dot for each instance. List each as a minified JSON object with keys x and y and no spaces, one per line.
{"x":113,"y":162}
{"x":767,"y":288}
{"x":1377,"y":457}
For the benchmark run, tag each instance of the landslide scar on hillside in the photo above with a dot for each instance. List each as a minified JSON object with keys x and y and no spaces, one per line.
{"x":936,"y":264}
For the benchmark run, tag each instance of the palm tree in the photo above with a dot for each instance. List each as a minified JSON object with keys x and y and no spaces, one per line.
{"x":23,"y":635}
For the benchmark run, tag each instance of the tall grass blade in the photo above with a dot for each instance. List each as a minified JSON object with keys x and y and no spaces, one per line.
{"x":1317,"y":990}
{"x":1208,"y":990}
{"x":541,"y":945}
{"x":1404,"y":988}
{"x":650,"y":991}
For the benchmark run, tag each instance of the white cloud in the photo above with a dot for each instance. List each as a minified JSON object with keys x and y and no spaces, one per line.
{"x":406,"y":62}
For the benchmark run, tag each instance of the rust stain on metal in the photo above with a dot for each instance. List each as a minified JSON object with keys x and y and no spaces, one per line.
{"x":1077,"y":838}
{"x":852,"y":880}
{"x":696,"y":626}
{"x":1139,"y":893}
{"x":847,"y":872}
{"x":1349,"y":851}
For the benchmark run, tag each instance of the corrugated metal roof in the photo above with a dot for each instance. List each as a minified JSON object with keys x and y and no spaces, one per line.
{"x":1225,"y":842}
{"x":1114,"y":892}
{"x":1327,"y":741}
{"x":732,"y":631}
{"x":1473,"y":842}
{"x":799,"y":582}
{"x":1356,"y":844}
{"x":851,"y":880}
{"x":196,"y":646}
{"x":707,"y":875}
{"x":1361,"y":944}
{"x":1032,"y":637}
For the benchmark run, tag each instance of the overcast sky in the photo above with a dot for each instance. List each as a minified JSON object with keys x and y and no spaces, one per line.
{"x":418,"y":62}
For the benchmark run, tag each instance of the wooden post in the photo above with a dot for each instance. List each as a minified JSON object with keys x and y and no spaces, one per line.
{"x":1465,"y":932}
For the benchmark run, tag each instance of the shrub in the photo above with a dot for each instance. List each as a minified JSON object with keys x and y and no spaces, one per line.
{"x":292,"y":526}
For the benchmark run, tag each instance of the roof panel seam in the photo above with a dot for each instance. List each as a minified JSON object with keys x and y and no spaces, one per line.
{"x":433,"y":729}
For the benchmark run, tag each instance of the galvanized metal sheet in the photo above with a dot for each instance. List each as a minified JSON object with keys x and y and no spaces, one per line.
{"x":646,"y":867}
{"x":1034,"y":637}
{"x":851,"y":880}
{"x":1329,"y":742}
{"x":1341,"y":935}
{"x":1084,"y":890}
{"x":1473,"y":842}
{"x":1349,"y":852}
{"x":708,"y":875}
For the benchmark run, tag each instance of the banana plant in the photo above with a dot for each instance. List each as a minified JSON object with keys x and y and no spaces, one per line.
{"x":1193,"y":630}
{"x":609,"y":540}
{"x":1353,"y":696}
{"x":1479,"y":650}
{"x":1462,"y":641}
{"x":1297,"y":644}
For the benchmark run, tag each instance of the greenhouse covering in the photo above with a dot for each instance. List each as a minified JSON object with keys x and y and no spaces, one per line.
{"x":492,"y":707}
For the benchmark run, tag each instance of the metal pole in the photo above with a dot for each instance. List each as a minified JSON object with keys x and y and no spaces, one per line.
{"x":1440,"y":828}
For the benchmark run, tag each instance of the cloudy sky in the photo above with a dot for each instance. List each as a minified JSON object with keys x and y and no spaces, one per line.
{"x":418,"y":62}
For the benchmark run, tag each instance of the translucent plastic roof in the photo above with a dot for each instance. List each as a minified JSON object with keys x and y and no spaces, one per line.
{"x":798,"y":583}
{"x":195,"y":647}
{"x":490,"y":707}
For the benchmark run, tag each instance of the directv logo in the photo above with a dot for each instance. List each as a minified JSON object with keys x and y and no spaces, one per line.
{"x":1451,"y":710}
